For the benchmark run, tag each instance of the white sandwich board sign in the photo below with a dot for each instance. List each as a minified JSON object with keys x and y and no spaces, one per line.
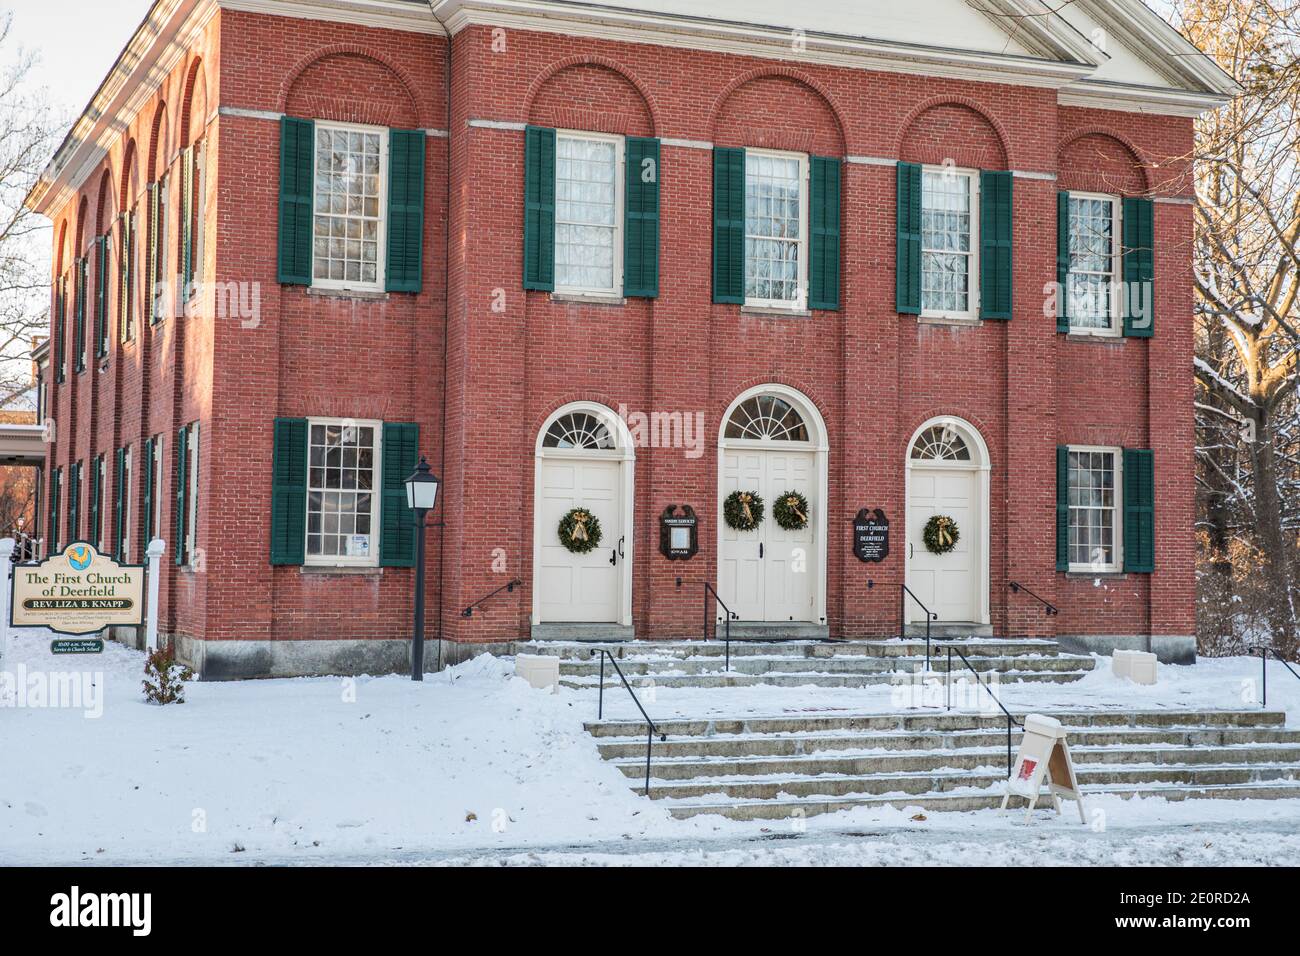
{"x":1044,"y":757}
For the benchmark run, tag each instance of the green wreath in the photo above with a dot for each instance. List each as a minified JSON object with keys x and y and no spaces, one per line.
{"x":940,"y":535}
{"x":580,"y":530}
{"x":743,"y":510}
{"x":791,"y":511}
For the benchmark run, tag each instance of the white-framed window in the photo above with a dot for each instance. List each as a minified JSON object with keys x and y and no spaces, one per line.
{"x":1092,"y":285}
{"x":350,"y":203}
{"x":343,"y":491}
{"x":1095,"y":519}
{"x":192,"y":494}
{"x":776,"y":229}
{"x":124,"y":495}
{"x":158,"y":475}
{"x":589,"y":185}
{"x":949,"y":242}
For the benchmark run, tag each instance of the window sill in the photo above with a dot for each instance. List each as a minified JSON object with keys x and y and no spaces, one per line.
{"x":775,"y":311}
{"x":588,"y":298}
{"x":1077,"y":574}
{"x":348,"y":569}
{"x":947,"y":320}
{"x":364,"y":295}
{"x":1104,"y":338}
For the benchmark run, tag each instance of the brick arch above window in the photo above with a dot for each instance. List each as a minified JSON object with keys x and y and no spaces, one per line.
{"x":743,"y":114}
{"x":105,"y":202}
{"x":956,"y":131}
{"x":1098,"y":160}
{"x":322,"y":86}
{"x":128,"y":182}
{"x":590,"y":93}
{"x":156,"y":159}
{"x":194,"y":107}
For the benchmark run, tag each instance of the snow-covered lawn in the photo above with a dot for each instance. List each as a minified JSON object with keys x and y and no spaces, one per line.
{"x":475,"y":766}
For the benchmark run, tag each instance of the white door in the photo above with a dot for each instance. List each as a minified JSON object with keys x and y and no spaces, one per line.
{"x":948,"y":584}
{"x":768,"y":574}
{"x":580,"y":587}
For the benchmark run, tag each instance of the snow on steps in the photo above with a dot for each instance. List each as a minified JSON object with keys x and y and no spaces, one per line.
{"x":801,"y":663}
{"x":773,"y":768}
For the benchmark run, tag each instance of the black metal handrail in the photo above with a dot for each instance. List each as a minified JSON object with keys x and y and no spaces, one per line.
{"x":651,"y":727}
{"x":902,"y":619}
{"x":1264,"y":651}
{"x":1048,"y":607}
{"x":469,"y":611}
{"x":708,"y":589}
{"x":1010,"y":720}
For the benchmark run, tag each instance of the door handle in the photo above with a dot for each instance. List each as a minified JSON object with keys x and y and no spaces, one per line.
{"x":613,"y":556}
{"x":910,"y":549}
{"x":620,"y":547}
{"x":760,"y":549}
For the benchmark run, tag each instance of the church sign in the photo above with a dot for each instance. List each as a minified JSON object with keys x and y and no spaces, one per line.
{"x":871,"y":535}
{"x":77,"y":591}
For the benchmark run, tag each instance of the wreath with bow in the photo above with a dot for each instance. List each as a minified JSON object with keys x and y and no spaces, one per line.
{"x":743,"y":510}
{"x":791,"y":511}
{"x":579,"y":530}
{"x":940,"y":534}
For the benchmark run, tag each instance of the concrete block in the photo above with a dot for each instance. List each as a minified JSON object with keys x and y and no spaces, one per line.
{"x":540,"y":670}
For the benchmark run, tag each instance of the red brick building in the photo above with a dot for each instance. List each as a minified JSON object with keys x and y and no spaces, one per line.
{"x":596,"y":260}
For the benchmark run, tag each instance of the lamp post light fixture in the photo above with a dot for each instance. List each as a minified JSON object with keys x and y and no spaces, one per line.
{"x":421,"y":495}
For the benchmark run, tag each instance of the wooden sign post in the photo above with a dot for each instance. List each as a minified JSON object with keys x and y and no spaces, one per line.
{"x":1044,"y":757}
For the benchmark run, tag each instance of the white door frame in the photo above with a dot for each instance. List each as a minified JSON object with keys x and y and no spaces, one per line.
{"x":982,"y":465}
{"x":624,"y":452}
{"x":819,"y":445}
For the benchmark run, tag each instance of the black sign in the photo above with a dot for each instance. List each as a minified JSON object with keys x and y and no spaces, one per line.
{"x":678,"y":533}
{"x":871,"y":535}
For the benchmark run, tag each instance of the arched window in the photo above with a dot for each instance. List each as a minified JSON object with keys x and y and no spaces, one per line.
{"x":766,"y":417}
{"x":940,"y":443}
{"x":579,"y":430}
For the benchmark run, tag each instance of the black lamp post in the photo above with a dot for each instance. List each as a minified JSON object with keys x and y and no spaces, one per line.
{"x":421,"y":495}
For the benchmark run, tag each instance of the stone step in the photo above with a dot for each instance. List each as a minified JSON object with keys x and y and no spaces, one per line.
{"x":657,"y":666}
{"x":908,"y":762}
{"x":620,"y":650}
{"x":932,"y":720}
{"x":789,"y":745}
{"x":794,"y":808}
{"x":802,"y":679}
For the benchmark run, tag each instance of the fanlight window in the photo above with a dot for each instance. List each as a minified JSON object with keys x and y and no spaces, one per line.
{"x":580,"y":430}
{"x":940,"y":443}
{"x":766,"y":416}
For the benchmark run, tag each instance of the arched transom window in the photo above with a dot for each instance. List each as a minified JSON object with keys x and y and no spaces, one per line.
{"x":767,"y":416}
{"x":579,"y":430}
{"x":940,"y":443}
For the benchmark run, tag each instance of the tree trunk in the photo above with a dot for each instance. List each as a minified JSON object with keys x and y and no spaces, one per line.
{"x":1273,"y":539}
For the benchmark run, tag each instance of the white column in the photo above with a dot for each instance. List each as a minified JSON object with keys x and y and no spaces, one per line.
{"x":155,"y":552}
{"x":6,"y":593}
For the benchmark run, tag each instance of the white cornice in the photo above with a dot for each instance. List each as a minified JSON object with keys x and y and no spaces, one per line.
{"x":383,"y":14}
{"x":1099,"y":94}
{"x":635,"y":26}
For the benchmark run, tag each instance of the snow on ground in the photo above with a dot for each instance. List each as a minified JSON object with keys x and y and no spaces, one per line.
{"x":474,"y":766}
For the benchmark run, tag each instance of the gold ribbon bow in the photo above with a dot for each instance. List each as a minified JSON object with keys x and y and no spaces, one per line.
{"x":941,"y":530}
{"x":793,"y":504}
{"x":580,"y":519}
{"x":745,"y":499}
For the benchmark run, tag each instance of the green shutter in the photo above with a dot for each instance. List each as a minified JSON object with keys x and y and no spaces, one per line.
{"x":297,"y":162}
{"x":1062,"y":508}
{"x":641,"y":219}
{"x":79,"y":316}
{"x":147,"y":493}
{"x":60,"y":321}
{"x":289,"y":492}
{"x":1139,"y":268}
{"x":56,"y":489}
{"x":824,"y":256}
{"x":539,"y":208}
{"x":182,"y":482}
{"x":996,"y":298}
{"x":187,"y":221}
{"x":96,"y":468}
{"x":101,"y":296}
{"x":1139,"y":510}
{"x":151,"y":272}
{"x":119,"y":498}
{"x":401,"y":452}
{"x":125,"y":253}
{"x":728,"y":225}
{"x":907,"y":268}
{"x":74,"y":502}
{"x":1062,"y":262}
{"x":405,"y":210}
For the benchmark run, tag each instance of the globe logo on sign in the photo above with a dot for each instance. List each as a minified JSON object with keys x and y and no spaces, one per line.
{"x":79,"y":557}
